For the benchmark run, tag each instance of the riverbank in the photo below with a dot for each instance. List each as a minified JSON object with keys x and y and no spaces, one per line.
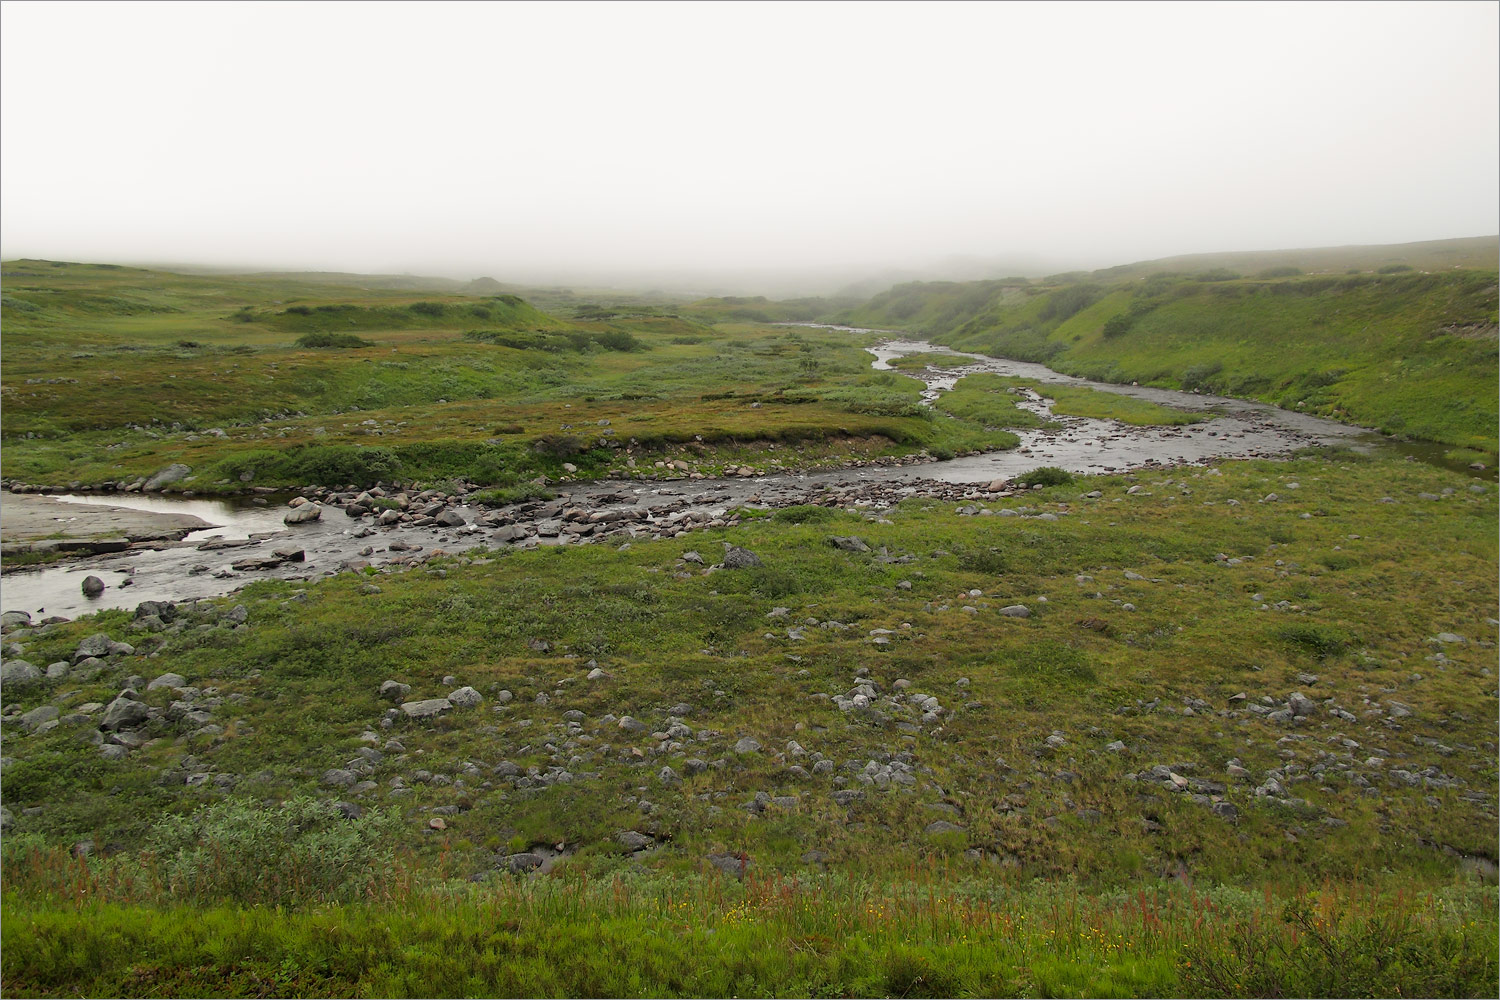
{"x":1225,"y":683}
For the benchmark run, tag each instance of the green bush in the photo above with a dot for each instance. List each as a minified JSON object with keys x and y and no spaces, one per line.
{"x":303,"y":850}
{"x":310,"y":340}
{"x":331,"y":464}
{"x":1068,"y":302}
{"x":1197,"y":376}
{"x":1046,"y":475}
{"x":806,"y":513}
{"x":1118,"y":325}
{"x":1322,"y":641}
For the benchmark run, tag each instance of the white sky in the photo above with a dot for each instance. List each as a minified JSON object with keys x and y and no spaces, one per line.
{"x":516,"y":140}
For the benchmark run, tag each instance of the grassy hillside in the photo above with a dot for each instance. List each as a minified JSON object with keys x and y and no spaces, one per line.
{"x":1405,"y":353}
{"x":112,"y":373}
{"x":1231,"y":738}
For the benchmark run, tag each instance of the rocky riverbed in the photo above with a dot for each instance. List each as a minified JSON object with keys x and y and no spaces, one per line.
{"x":160,"y":554}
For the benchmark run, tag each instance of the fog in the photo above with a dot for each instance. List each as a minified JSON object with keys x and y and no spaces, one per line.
{"x":733,"y":144}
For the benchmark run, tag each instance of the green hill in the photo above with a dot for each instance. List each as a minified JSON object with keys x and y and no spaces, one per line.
{"x":1404,"y":352}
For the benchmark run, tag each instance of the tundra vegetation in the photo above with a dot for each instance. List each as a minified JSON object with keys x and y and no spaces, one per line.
{"x":1205,"y":731}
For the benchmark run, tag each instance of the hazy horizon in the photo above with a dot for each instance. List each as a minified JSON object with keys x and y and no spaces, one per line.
{"x":739,"y":143}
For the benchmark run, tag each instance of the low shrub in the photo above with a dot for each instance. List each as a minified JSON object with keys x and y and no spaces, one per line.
{"x":326,"y":340}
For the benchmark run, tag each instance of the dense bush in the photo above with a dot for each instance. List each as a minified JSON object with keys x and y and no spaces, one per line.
{"x":303,"y":850}
{"x":1118,"y":325}
{"x":1046,"y":475}
{"x":333,"y":340}
{"x":1070,"y":301}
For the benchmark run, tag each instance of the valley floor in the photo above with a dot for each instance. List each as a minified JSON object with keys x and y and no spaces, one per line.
{"x":1205,"y":731}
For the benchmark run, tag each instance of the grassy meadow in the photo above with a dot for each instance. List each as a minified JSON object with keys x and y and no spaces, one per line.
{"x":1207,"y":731}
{"x":1099,"y":799}
{"x":113,"y":373}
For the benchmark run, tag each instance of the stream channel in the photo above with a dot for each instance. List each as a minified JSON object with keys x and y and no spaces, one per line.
{"x":237,"y":528}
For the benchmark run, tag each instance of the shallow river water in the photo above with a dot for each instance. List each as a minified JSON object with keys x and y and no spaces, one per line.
{"x":200,"y":567}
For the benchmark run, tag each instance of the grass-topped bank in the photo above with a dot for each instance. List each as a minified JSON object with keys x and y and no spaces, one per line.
{"x":1405,"y":353}
{"x":112,"y":375}
{"x":1092,"y":744}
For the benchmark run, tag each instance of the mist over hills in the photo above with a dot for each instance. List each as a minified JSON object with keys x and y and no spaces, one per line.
{"x":860,"y":283}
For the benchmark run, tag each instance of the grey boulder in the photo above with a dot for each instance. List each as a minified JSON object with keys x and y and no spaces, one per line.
{"x":124,"y":713}
{"x":426,"y":709}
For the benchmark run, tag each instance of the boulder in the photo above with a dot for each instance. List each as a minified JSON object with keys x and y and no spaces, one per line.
{"x":632,"y":841}
{"x":394,"y":691}
{"x":92,"y":586}
{"x":18,"y":674}
{"x":431,"y":708}
{"x":520,"y":864}
{"x":738,"y":558}
{"x":850,"y":543}
{"x":942,"y":826}
{"x":166,"y":477}
{"x":1016,"y":611}
{"x":124,"y":713}
{"x":34,"y":719}
{"x":465,"y":697}
{"x":303,"y":513}
{"x":167,"y":681}
{"x":97,"y":644}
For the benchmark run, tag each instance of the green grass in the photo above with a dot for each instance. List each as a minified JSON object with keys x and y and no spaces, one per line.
{"x":1080,"y":401}
{"x":768,"y":937}
{"x":112,"y":374}
{"x":1409,"y":353}
{"x":1057,"y":840}
{"x":917,"y":362}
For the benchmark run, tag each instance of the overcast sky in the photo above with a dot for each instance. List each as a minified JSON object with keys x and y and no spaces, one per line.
{"x":521,"y":140}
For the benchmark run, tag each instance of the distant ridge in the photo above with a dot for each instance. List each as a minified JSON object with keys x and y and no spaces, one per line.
{"x":1427,"y":255}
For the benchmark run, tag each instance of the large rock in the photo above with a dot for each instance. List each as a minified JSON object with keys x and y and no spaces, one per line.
{"x":850,"y":543}
{"x":92,"y":586}
{"x":1301,"y":704}
{"x":100,"y":644}
{"x":747,"y":745}
{"x":15,"y":619}
{"x":465,"y":697}
{"x":520,"y":864}
{"x":731,"y":864}
{"x":37,"y":716}
{"x":302,"y":514}
{"x":738,"y":558}
{"x":1016,"y":611}
{"x":394,"y":690}
{"x":166,"y":477}
{"x":123,"y":713}
{"x":942,"y":826}
{"x":633,"y":841}
{"x":167,"y":681}
{"x":16,"y":674}
{"x":428,"y":709}
{"x":451,"y":519}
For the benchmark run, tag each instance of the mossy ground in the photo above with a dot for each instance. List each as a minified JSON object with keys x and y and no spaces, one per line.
{"x":1329,"y":581}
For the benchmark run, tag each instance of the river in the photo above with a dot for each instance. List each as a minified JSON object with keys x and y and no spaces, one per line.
{"x":240,"y":527}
